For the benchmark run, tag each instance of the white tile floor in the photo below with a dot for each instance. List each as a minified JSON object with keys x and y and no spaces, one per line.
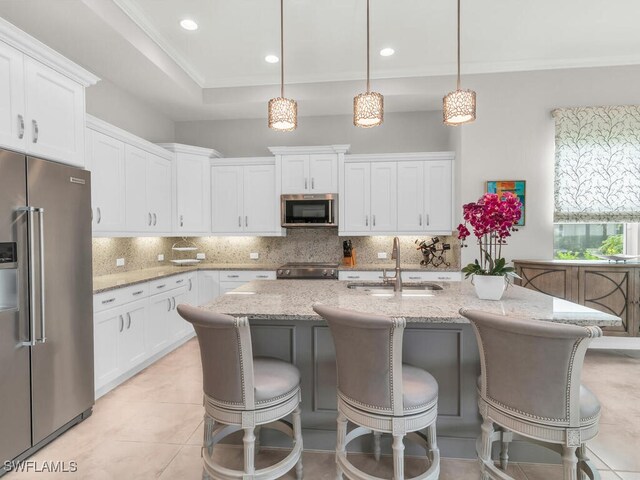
{"x":151,"y":428}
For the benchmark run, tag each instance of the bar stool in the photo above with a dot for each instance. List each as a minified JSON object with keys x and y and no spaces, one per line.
{"x":530,"y":385}
{"x":378,"y":393}
{"x":242,"y":393}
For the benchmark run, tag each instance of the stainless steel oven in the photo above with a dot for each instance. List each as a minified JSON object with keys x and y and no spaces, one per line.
{"x":309,"y":211}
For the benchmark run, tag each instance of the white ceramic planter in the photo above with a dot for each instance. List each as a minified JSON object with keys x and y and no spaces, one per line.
{"x":489,"y":287}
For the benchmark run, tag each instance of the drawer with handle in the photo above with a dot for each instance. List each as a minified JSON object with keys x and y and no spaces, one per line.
{"x":354,"y":275}
{"x":120,"y":296}
{"x":246,"y":275}
{"x":168,"y":283}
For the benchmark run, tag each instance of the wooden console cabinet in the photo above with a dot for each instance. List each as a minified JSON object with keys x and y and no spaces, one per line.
{"x":608,"y":287}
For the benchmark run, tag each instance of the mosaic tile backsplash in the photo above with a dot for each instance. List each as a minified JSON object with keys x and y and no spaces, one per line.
{"x":300,"y":245}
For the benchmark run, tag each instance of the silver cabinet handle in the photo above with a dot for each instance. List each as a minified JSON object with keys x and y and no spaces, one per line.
{"x":109,"y":300}
{"x":443,"y":278}
{"x":150,"y":218}
{"x":20,"y":127}
{"x":414,"y":278}
{"x":373,"y":217}
{"x":246,"y":221}
{"x":313,"y":183}
{"x":99,"y":215}
{"x":427,"y":219}
{"x":161,"y":286}
{"x":180,"y":281}
{"x":169,"y":309}
{"x":366,"y":220}
{"x":262,"y":276}
{"x":305,"y":184}
{"x":353,"y":277}
{"x":420,"y":219}
{"x":121,"y":323}
{"x":190,"y":284}
{"x":129,"y":320}
{"x":35,"y":131}
{"x":233,"y":276}
{"x":182,"y":220}
{"x":155,"y":219}
{"x":139,"y":292}
{"x":239,"y":221}
{"x":174,"y":302}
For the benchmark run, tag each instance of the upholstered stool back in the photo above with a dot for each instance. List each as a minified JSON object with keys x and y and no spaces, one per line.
{"x":532,"y":368}
{"x":368,"y":357}
{"x":227,"y":359}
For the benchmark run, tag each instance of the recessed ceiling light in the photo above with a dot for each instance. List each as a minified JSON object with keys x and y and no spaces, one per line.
{"x":387,"y":52}
{"x":271,"y":59}
{"x":188,"y":24}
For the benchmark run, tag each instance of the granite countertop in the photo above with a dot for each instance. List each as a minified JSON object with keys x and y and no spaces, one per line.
{"x":293,"y":300}
{"x":104,"y":283}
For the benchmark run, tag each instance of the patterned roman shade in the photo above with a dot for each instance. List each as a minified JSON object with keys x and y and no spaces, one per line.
{"x":597,"y":174}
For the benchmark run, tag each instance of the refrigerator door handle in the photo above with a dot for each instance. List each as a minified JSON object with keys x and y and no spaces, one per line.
{"x":32,"y":271}
{"x":43,"y":337}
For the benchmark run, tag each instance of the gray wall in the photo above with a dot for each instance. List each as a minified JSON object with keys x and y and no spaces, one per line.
{"x":401,"y":132}
{"x":118,"y":107}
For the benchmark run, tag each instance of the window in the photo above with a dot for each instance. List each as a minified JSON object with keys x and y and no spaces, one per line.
{"x":585,"y":241}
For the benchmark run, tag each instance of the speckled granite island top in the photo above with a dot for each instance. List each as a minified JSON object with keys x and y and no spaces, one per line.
{"x":293,"y":300}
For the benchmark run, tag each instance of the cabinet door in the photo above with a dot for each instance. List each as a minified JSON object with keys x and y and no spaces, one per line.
{"x":295,"y":173}
{"x":159,"y":192}
{"x":177,"y":326}
{"x":208,"y":286}
{"x":138,"y":216}
{"x":107,"y":182}
{"x":323,"y":173}
{"x":437,"y":195}
{"x":609,"y":290}
{"x":226,"y":199}
{"x":260,"y":202}
{"x":411,"y":197}
{"x":157,"y":327}
{"x":556,"y":280}
{"x":384,"y":197}
{"x":54,"y":114}
{"x":192,"y":193}
{"x":107,"y":328}
{"x":12,"y":114}
{"x":132,"y":339}
{"x":357,"y":206}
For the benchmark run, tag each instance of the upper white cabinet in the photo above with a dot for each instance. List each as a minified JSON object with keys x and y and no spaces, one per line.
{"x":370,"y":198}
{"x":308,"y":169}
{"x":42,"y":103}
{"x":191,"y":188}
{"x":106,"y":158}
{"x":392,"y":194}
{"x":425,"y":196}
{"x":132,"y":182}
{"x":244,"y":198}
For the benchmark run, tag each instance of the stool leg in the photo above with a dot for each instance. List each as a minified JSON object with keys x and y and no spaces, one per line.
{"x":249,"y":441}
{"x":485,"y":453}
{"x":505,"y":439}
{"x":341,"y":449}
{"x":297,"y":439}
{"x":398,"y":457}
{"x":432,"y":440}
{"x":376,"y":445}
{"x":582,"y":457}
{"x":569,"y":463}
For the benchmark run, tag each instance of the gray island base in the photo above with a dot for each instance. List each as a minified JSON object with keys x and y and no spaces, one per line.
{"x":437,"y":338}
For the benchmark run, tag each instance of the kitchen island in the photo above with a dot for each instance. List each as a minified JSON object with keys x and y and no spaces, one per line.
{"x":437,"y":339}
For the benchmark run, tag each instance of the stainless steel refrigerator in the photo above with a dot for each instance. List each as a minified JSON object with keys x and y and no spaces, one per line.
{"x":46,"y":306}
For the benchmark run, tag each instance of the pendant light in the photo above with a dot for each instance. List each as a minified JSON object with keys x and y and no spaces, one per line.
{"x":283,"y":112}
{"x":459,"y":107}
{"x":368,"y":107}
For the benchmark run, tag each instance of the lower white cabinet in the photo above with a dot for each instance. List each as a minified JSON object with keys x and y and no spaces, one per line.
{"x":208,"y":286}
{"x":132,"y":349}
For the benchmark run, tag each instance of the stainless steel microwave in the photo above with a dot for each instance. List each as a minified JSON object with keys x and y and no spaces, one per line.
{"x":309,"y":211}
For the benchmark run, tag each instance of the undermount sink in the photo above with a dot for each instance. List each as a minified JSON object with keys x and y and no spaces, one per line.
{"x":386,"y":287}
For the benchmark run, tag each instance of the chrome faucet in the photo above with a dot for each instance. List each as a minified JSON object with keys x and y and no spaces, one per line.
{"x":397,"y":279}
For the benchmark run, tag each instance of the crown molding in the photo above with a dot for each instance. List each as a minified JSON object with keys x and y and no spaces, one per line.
{"x":309,"y":150}
{"x":139,"y":18}
{"x":191,"y":149}
{"x":397,"y":157}
{"x":106,"y":128}
{"x":37,"y":50}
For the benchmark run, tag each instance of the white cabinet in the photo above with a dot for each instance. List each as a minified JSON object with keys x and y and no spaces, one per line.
{"x":244,"y":200}
{"x":132,"y":349}
{"x":208,"y":286}
{"x":176,"y":326}
{"x":12,"y":113}
{"x":425,"y":197}
{"x":312,"y":173}
{"x":160,"y":307}
{"x":147,"y":191}
{"x":106,"y":161}
{"x":370,"y":198}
